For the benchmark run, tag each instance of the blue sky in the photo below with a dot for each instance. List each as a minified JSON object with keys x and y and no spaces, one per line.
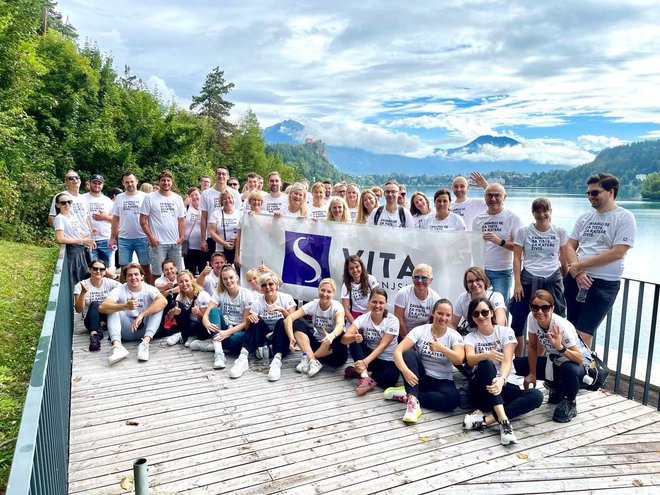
{"x":566,"y":79}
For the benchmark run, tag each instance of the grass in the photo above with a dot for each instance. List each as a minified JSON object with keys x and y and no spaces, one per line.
{"x":25,"y":276}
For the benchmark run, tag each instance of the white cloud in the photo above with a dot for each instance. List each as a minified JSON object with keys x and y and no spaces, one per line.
{"x":166,"y":93}
{"x":597,"y":143}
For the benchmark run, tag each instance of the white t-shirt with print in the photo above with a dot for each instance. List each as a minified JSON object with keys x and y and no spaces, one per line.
{"x":202,"y":302}
{"x":500,"y":337}
{"x":96,"y":294}
{"x":436,"y":364}
{"x":505,"y":224}
{"x":233,"y":309}
{"x":70,"y":226}
{"x":211,"y":283}
{"x":373,"y":333}
{"x":127,"y":209}
{"x":272,"y":205}
{"x":569,"y":335}
{"x":317,"y":212}
{"x":468,"y":209}
{"x":99,"y":204}
{"x":598,"y":232}
{"x":260,"y":308}
{"x":144,"y":297}
{"x":463,"y":302}
{"x":323,"y":321}
{"x":415,"y":311}
{"x":232,"y":222}
{"x":388,"y":219}
{"x":452,"y":222}
{"x":193,"y":233}
{"x":210,"y":201}
{"x":164,"y":213}
{"x":541,"y":249}
{"x":360,"y":301}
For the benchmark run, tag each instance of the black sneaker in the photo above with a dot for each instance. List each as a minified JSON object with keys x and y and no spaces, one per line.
{"x":94,"y":343}
{"x":555,"y":396}
{"x":565,"y":411}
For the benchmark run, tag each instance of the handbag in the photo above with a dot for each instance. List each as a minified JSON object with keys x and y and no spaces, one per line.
{"x":597,"y":371}
{"x":185,"y":245}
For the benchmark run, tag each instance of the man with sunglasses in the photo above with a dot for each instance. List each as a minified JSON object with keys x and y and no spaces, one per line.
{"x":99,"y":207}
{"x":595,"y":252}
{"x":78,"y":208}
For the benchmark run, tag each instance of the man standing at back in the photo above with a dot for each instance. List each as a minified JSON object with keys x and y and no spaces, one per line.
{"x":466,"y":207}
{"x":275,"y":200}
{"x":391,"y":214}
{"x":595,"y":251}
{"x":162,"y":217}
{"x":209,"y":202}
{"x":498,"y":227}
{"x":126,"y":232}
{"x":99,"y":207}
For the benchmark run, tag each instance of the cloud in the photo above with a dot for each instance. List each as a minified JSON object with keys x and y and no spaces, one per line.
{"x":597,"y":143}
{"x":166,"y":93}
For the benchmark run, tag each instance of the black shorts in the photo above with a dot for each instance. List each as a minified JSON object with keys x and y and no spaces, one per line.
{"x":587,"y":316}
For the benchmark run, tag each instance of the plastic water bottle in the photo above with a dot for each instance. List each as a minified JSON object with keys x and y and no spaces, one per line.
{"x":265,"y":354}
{"x":587,"y":379}
{"x":582,"y":294}
{"x":304,"y":362}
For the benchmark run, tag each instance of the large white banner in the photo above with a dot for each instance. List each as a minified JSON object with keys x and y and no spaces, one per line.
{"x":304,"y":251}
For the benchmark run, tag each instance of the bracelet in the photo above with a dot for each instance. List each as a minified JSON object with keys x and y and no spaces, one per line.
{"x":562,"y":350}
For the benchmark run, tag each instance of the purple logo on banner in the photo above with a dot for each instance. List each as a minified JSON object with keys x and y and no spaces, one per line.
{"x":306,"y":258}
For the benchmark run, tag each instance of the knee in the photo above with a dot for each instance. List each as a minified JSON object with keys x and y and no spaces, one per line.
{"x":570,"y":371}
{"x":215,"y":315}
{"x":535,"y":397}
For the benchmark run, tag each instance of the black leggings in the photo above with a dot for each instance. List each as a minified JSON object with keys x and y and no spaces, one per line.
{"x":384,"y":372}
{"x":339,"y":353}
{"x":432,"y":393}
{"x":256,"y":336}
{"x":567,"y":376}
{"x":514,"y":400}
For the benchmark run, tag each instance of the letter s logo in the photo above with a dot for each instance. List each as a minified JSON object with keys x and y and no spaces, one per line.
{"x":302,"y":256}
{"x":306,"y":258}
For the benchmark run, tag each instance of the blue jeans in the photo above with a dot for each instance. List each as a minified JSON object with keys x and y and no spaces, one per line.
{"x":103,"y":252}
{"x":127,"y":247}
{"x":501,"y":280}
{"x":233,"y":343}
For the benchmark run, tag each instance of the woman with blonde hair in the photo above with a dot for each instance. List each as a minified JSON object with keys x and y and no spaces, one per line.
{"x":297,"y":202}
{"x":224,"y":224}
{"x":367,"y":203}
{"x":185,"y":316}
{"x":338,"y":210}
{"x":352,"y":200}
{"x":318,"y":210}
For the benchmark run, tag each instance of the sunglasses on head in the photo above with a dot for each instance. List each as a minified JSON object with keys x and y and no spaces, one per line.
{"x":594,"y":192}
{"x":423,"y":278}
{"x":67,"y":202}
{"x":98,"y":268}
{"x":543,"y":307}
{"x":483,"y":312}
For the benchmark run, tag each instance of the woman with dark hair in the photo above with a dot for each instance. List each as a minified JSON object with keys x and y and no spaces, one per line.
{"x":494,"y":386}
{"x":194,"y":258}
{"x":372,"y":338}
{"x":566,"y":355}
{"x":426,"y":359}
{"x":75,"y":236}
{"x":538,"y":263}
{"x":476,"y":284}
{"x":420,"y":208}
{"x":88,"y":294}
{"x":367,"y":203}
{"x":442,"y":218}
{"x":356,"y":286}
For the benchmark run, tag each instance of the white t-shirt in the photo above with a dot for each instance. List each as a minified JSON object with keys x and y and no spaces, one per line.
{"x":211,"y":283}
{"x":452,"y":222}
{"x":597,"y":232}
{"x":388,"y":219}
{"x":416,"y":312}
{"x":232,"y":221}
{"x":272,"y":205}
{"x":323,"y":321}
{"x":317,"y":212}
{"x":70,"y":226}
{"x":233,"y":309}
{"x":352,"y":214}
{"x":99,"y":204}
{"x":468,"y":209}
{"x":541,"y":249}
{"x":163,"y":281}
{"x":436,"y":364}
{"x":210,"y":201}
{"x":144,"y":297}
{"x":260,"y":308}
{"x":201,"y":302}
{"x":500,"y":337}
{"x":569,"y":335}
{"x":373,"y":333}
{"x":78,"y":208}
{"x":505,"y":225}
{"x":127,"y":209}
{"x":164,"y":213}
{"x":193,"y":234}
{"x":420,"y":219}
{"x":360,"y":300}
{"x":288,"y":213}
{"x":463,"y":302}
{"x":96,"y":294}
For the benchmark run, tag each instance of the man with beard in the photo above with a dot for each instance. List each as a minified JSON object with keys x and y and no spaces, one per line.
{"x":275,"y":200}
{"x":99,"y":207}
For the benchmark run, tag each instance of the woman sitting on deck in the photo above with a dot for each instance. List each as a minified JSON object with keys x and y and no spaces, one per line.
{"x":88,"y":294}
{"x":320,"y":340}
{"x":476,"y":283}
{"x":184,"y":316}
{"x":372,"y":338}
{"x":494,"y":387}
{"x":567,"y":355}
{"x":357,"y":285}
{"x":413,"y":303}
{"x":426,"y":359}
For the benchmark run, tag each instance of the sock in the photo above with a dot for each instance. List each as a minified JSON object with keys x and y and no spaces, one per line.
{"x":217,"y":347}
{"x":244,"y":352}
{"x":364,"y":374}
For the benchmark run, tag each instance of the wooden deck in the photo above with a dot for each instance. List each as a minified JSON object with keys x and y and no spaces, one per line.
{"x":203,"y":433}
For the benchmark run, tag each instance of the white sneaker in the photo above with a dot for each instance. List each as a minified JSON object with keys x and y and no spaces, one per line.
{"x":240,"y":366}
{"x":202,"y":345}
{"x":219,"y":361}
{"x":395,"y":393}
{"x":174,"y":339}
{"x":474,"y":421}
{"x":506,"y":433}
{"x":303,"y":365}
{"x":143,"y":351}
{"x":189,"y":341}
{"x":314,"y":367}
{"x":118,"y":353}
{"x":275,"y":370}
{"x":413,"y":411}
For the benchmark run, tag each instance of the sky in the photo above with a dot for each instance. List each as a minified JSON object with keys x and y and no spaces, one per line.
{"x":565,"y":78}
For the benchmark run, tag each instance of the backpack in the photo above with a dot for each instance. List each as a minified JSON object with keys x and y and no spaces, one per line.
{"x":402,"y":215}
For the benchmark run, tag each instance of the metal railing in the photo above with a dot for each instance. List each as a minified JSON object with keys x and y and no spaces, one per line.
{"x":41,"y":457}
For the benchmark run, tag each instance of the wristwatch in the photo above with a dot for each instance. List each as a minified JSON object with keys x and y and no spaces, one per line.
{"x":502,"y":243}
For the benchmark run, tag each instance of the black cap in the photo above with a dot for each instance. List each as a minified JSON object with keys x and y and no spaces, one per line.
{"x":97,"y":177}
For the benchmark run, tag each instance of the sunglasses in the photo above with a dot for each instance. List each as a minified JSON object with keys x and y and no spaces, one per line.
{"x":484,"y":313}
{"x":423,"y":278}
{"x":544,"y":307}
{"x":73,"y":177}
{"x":594,"y":193}
{"x":98,"y":268}
{"x":64,"y":203}
{"x":232,"y":184}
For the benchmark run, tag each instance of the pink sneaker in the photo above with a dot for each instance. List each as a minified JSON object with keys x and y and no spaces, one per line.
{"x":365,"y":385}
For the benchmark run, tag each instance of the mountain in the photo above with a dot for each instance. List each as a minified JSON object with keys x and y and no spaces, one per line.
{"x":359,"y":161}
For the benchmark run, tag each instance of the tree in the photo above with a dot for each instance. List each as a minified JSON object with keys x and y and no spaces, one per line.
{"x":651,"y":186}
{"x":211,"y":103}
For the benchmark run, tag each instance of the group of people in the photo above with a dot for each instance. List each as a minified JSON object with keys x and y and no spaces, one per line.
{"x":422,"y":340}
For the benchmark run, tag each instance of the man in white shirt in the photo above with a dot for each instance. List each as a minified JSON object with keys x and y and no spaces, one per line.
{"x":163,"y":219}
{"x":498,"y":227}
{"x":391,"y":214}
{"x":595,"y":252}
{"x":99,"y":207}
{"x":209,"y":202}
{"x":126,"y":232}
{"x":275,"y":201}
{"x":466,"y":207}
